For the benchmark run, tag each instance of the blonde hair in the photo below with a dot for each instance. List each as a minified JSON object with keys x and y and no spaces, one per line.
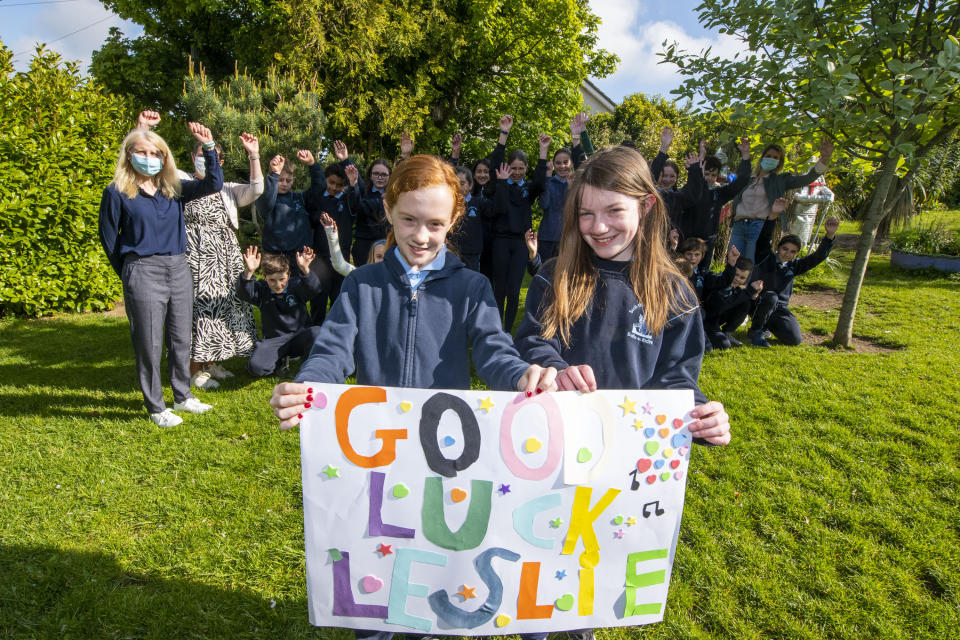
{"x":421,"y":172}
{"x":125,"y":177}
{"x":655,"y":279}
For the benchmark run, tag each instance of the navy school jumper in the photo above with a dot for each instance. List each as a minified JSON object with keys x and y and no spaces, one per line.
{"x":286,"y":223}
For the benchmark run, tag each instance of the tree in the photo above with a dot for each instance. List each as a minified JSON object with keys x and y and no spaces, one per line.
{"x":58,"y":145}
{"x":879,"y":77}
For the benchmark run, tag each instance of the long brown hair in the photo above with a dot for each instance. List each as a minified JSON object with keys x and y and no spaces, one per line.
{"x":420,"y":172}
{"x":658,"y":285}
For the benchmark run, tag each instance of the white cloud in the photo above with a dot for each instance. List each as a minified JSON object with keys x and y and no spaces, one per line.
{"x":637,"y":42}
{"x":85,"y":23}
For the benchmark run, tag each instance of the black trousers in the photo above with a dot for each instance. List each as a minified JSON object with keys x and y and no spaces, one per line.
{"x":270,"y":351}
{"x":330,"y":282}
{"x":771,"y":314}
{"x":547,"y":249}
{"x":716,"y":326}
{"x":509,"y":265}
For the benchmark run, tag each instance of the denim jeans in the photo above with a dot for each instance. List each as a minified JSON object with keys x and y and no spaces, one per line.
{"x":744,"y":236}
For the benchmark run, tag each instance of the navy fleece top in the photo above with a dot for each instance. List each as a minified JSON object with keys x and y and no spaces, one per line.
{"x":613,"y":338}
{"x":152,"y":225}
{"x":285,"y":312}
{"x":777,"y":276}
{"x":391,"y":335}
{"x":286,"y":223}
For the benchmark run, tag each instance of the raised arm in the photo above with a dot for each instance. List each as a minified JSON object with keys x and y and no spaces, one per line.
{"x":212,"y":180}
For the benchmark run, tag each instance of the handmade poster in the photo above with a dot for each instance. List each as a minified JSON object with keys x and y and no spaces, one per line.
{"x":484,"y":513}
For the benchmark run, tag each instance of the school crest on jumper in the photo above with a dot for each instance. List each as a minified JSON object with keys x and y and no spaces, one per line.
{"x":639,"y":331}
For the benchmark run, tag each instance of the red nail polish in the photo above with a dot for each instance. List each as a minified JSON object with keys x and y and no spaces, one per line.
{"x":306,"y":405}
{"x":300,"y":416}
{"x":539,"y":390}
{"x":309,"y":398}
{"x":529,"y":393}
{"x":309,"y":389}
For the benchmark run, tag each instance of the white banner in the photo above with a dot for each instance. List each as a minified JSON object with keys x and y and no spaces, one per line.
{"x":482,"y":513}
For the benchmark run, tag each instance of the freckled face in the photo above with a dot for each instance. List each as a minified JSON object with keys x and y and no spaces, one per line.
{"x":420,"y":220}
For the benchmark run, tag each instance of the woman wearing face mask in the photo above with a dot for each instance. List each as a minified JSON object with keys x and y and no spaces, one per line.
{"x":223,"y":325}
{"x":752,"y":206}
{"x":142,"y":232}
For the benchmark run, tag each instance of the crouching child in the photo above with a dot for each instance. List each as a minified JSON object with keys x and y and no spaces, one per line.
{"x":727,"y":307}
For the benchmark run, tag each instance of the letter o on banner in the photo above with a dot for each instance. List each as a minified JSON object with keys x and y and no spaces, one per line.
{"x":429,"y":423}
{"x":555,"y":434}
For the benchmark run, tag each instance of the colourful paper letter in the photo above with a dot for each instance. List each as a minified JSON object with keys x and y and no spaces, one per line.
{"x":430,"y":420}
{"x":343,"y":603}
{"x":527,"y":607}
{"x":473,"y":530}
{"x":555,"y":431}
{"x":401,"y":588}
{"x":523,"y":518}
{"x":375,"y":525}
{"x":582,"y":518}
{"x":457,"y":617}
{"x":349,"y":399}
{"x":636,"y":581}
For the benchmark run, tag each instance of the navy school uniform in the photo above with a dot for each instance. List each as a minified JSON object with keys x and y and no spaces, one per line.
{"x":772,"y":311}
{"x":725,"y":310}
{"x":469,"y":236}
{"x":371,"y":223}
{"x":341,"y":208}
{"x":551,"y":202}
{"x":702,"y":219}
{"x":285,"y":320}
{"x":679,"y":200}
{"x":286,"y":223}
{"x":705,"y":282}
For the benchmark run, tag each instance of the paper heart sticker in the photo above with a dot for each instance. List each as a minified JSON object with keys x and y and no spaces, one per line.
{"x":664,"y":432}
{"x":683,"y":450}
{"x":643,"y":464}
{"x":564,"y":602}
{"x":400,"y":490}
{"x":677,"y":423}
{"x":674,"y":463}
{"x":584,"y":455}
{"x":667,"y":452}
{"x":501,"y":620}
{"x":678,"y":474}
{"x":680,"y":440}
{"x":651,"y":479}
{"x":658,"y":464}
{"x":651,"y":447}
{"x":449,"y":441}
{"x":665,"y":476}
{"x":458,"y":495}
{"x":649,"y":431}
{"x":371,"y":584}
{"x":405,"y":406}
{"x":618,"y":520}
{"x":661,"y":419}
{"x":320,"y":400}
{"x":531,"y":445}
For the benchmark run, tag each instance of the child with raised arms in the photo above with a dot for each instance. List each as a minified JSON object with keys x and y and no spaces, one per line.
{"x":612,"y":311}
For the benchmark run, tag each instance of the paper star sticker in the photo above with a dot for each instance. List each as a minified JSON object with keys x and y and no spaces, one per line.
{"x":637,"y":424}
{"x":466,"y":592}
{"x":631,"y":521}
{"x":648,"y":408}
{"x":628,"y":406}
{"x":384,"y":549}
{"x":561,"y":574}
{"x":504,"y":489}
{"x":618,"y":534}
{"x":556,"y":522}
{"x":331,"y":471}
{"x":486,"y":404}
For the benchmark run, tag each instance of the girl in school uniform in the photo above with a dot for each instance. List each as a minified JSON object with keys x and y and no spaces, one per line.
{"x":371,"y":225}
{"x":143,"y":234}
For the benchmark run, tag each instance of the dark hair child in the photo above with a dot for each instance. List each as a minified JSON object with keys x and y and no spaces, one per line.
{"x":727,"y":307}
{"x":468,"y":236}
{"x":282,"y":300}
{"x":286,"y":221}
{"x":777,"y":271}
{"x":371,"y":223}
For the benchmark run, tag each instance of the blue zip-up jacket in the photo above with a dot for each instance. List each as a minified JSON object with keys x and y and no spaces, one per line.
{"x":612,"y":336}
{"x":390,"y":335}
{"x":551,"y":201}
{"x":286,"y":223}
{"x":778,"y":277}
{"x":285,"y":312}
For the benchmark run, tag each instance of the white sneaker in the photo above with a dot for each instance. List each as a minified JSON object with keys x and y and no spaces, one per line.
{"x":202,"y":380}
{"x":218,"y":371}
{"x":192,"y":405}
{"x":165,"y":419}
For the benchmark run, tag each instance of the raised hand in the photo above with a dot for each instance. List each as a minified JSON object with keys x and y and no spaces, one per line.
{"x":503,"y":172}
{"x":250,"y":143}
{"x":666,"y":139}
{"x":304,"y":258}
{"x":545,"y":141}
{"x":506,"y":122}
{"x":703,"y":150}
{"x":757,"y":286}
{"x":340,"y":151}
{"x":826,"y":151}
{"x":148,"y":119}
{"x":691,"y":159}
{"x":673,"y":239}
{"x":530,"y":237}
{"x":200,"y":132}
{"x":251,"y":258}
{"x":581,"y":121}
{"x":831,"y":227}
{"x":276,"y":163}
{"x":744,"y":148}
{"x":733,"y":254}
{"x":327,"y":221}
{"x":352,"y":174}
{"x":406,"y":144}
{"x":549,"y":168}
{"x":455,"y":145}
{"x":779,"y":206}
{"x":306,"y":156}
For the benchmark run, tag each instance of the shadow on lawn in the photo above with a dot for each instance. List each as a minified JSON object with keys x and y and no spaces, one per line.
{"x":48,"y":592}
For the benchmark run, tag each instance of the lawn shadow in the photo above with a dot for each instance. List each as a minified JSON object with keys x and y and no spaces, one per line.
{"x":49,"y":592}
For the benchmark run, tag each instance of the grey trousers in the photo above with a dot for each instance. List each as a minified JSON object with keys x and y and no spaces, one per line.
{"x":158,"y":294}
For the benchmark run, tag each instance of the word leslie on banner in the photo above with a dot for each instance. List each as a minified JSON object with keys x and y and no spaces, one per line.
{"x":483,"y":513}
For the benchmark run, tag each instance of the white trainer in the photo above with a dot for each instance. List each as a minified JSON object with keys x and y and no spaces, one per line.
{"x":218,"y":372}
{"x":203,"y":380}
{"x":165,"y":419}
{"x":192,"y":405}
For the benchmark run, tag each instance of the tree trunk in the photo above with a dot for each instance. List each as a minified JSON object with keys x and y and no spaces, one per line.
{"x":878,"y":209}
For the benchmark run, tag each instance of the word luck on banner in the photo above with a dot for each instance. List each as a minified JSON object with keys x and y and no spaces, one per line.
{"x":483,"y":513}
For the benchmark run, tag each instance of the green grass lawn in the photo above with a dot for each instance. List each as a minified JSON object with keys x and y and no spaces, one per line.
{"x":835,"y":513}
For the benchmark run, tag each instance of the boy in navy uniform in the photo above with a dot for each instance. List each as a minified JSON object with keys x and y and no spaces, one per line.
{"x":727,"y":307}
{"x":282,"y":299}
{"x":777,"y":271}
{"x":286,"y":223}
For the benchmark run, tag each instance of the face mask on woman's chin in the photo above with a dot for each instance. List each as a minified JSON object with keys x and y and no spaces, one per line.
{"x":769,"y":164}
{"x":200,"y":165}
{"x":146,"y":166}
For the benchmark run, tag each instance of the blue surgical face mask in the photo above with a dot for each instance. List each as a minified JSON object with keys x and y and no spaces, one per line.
{"x":147,"y":166}
{"x":769,"y":164}
{"x":200,"y":164}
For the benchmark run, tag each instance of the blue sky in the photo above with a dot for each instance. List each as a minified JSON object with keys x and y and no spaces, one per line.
{"x":633,"y":30}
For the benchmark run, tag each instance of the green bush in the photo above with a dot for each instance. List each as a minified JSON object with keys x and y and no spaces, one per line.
{"x":933,"y":239}
{"x":58,"y":143}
